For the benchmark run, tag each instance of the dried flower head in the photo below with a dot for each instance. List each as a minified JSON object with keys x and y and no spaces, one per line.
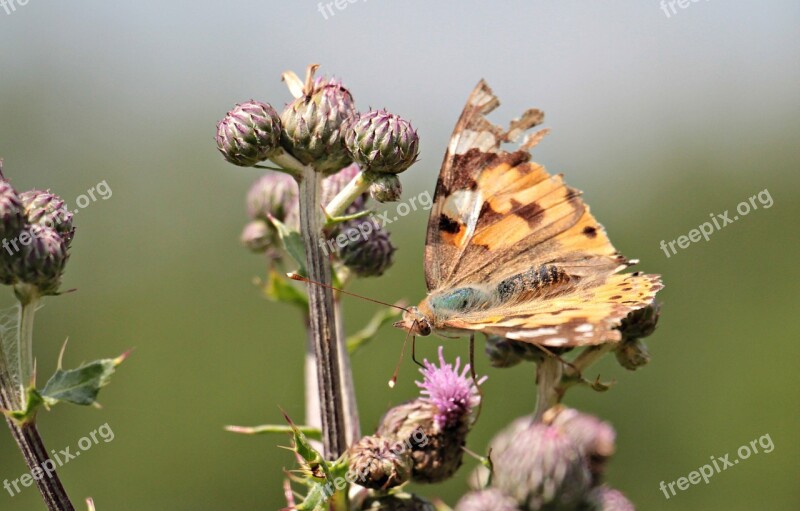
{"x":594,"y":437}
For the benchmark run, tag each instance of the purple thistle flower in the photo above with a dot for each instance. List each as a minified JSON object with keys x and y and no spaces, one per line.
{"x":454,"y":394}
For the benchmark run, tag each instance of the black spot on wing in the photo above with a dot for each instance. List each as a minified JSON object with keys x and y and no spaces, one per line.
{"x":590,"y":232}
{"x":531,"y":213}
{"x":448,"y":225}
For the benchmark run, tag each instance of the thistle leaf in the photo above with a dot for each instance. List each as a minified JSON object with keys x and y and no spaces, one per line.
{"x":80,"y":386}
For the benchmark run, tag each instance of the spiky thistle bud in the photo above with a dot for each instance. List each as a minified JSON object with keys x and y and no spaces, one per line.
{"x":539,"y":466}
{"x":314,"y":124}
{"x":12,"y":213}
{"x":379,"y":463}
{"x":631,"y":352}
{"x":275,"y":194}
{"x":603,"y":498}
{"x":40,"y":260}
{"x":46,"y":209}
{"x":504,"y":352}
{"x":249,"y":133}
{"x":594,"y":437}
{"x":257,"y":236}
{"x":386,"y":188}
{"x":435,"y":426}
{"x":382,"y":142}
{"x":491,"y":499}
{"x":367,"y":250}
{"x":398,"y":501}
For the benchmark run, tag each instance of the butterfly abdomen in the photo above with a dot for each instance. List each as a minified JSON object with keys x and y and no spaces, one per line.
{"x":532,"y":281}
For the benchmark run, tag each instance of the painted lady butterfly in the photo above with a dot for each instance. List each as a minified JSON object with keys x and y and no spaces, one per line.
{"x":512,"y":251}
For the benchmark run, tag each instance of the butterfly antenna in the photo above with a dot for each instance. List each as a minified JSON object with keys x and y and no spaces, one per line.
{"x":393,"y":381}
{"x":295,"y":276}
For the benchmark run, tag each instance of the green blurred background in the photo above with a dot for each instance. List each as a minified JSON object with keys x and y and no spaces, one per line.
{"x":660,"y":120}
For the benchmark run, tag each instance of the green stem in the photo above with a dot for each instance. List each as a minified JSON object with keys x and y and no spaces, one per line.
{"x":27,"y":310}
{"x":548,"y":377}
{"x":358,"y":185}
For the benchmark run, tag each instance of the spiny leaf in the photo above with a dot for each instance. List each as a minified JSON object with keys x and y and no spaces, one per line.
{"x":80,"y":386}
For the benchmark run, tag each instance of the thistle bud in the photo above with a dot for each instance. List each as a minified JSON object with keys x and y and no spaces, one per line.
{"x":400,"y":501}
{"x":314,"y":124}
{"x":40,"y":260}
{"x":603,"y":498}
{"x":379,"y":463}
{"x":275,"y":194}
{"x":386,"y":188}
{"x":641,"y":322}
{"x":368,"y":251}
{"x":594,"y":437}
{"x":631,"y":352}
{"x":435,"y":426}
{"x":486,"y":500}
{"x":504,"y":352}
{"x":12,"y":213}
{"x":539,"y":466}
{"x":44,"y":208}
{"x":436,"y":453}
{"x":257,"y":236}
{"x":382,"y":142}
{"x":249,"y":134}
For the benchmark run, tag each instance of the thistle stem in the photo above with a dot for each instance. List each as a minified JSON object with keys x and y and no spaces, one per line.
{"x":353,"y":428}
{"x":358,"y":185}
{"x":28,"y":303}
{"x":548,"y":377}
{"x":12,"y":397}
{"x":322,"y":317}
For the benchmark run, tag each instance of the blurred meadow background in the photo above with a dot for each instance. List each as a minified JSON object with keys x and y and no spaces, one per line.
{"x":661,"y":120}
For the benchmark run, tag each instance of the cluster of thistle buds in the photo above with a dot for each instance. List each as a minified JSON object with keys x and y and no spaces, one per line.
{"x":36,"y":231}
{"x":359,"y":154}
{"x":421,"y":440}
{"x":555,"y":464}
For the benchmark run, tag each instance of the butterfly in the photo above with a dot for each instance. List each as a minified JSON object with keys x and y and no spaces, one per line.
{"x":514,"y":252}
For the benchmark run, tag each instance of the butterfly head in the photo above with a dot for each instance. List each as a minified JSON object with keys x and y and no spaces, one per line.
{"x":415,"y":322}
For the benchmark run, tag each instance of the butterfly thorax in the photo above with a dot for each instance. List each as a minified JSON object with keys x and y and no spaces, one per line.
{"x":438,"y":311}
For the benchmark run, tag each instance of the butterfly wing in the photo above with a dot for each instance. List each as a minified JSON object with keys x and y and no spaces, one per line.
{"x":584,"y":315}
{"x":496,"y":214}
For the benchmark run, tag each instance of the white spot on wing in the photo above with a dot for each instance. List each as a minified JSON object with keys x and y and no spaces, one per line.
{"x":586,"y":327}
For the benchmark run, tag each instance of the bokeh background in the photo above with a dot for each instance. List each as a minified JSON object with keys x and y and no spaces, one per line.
{"x":660,"y":120}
